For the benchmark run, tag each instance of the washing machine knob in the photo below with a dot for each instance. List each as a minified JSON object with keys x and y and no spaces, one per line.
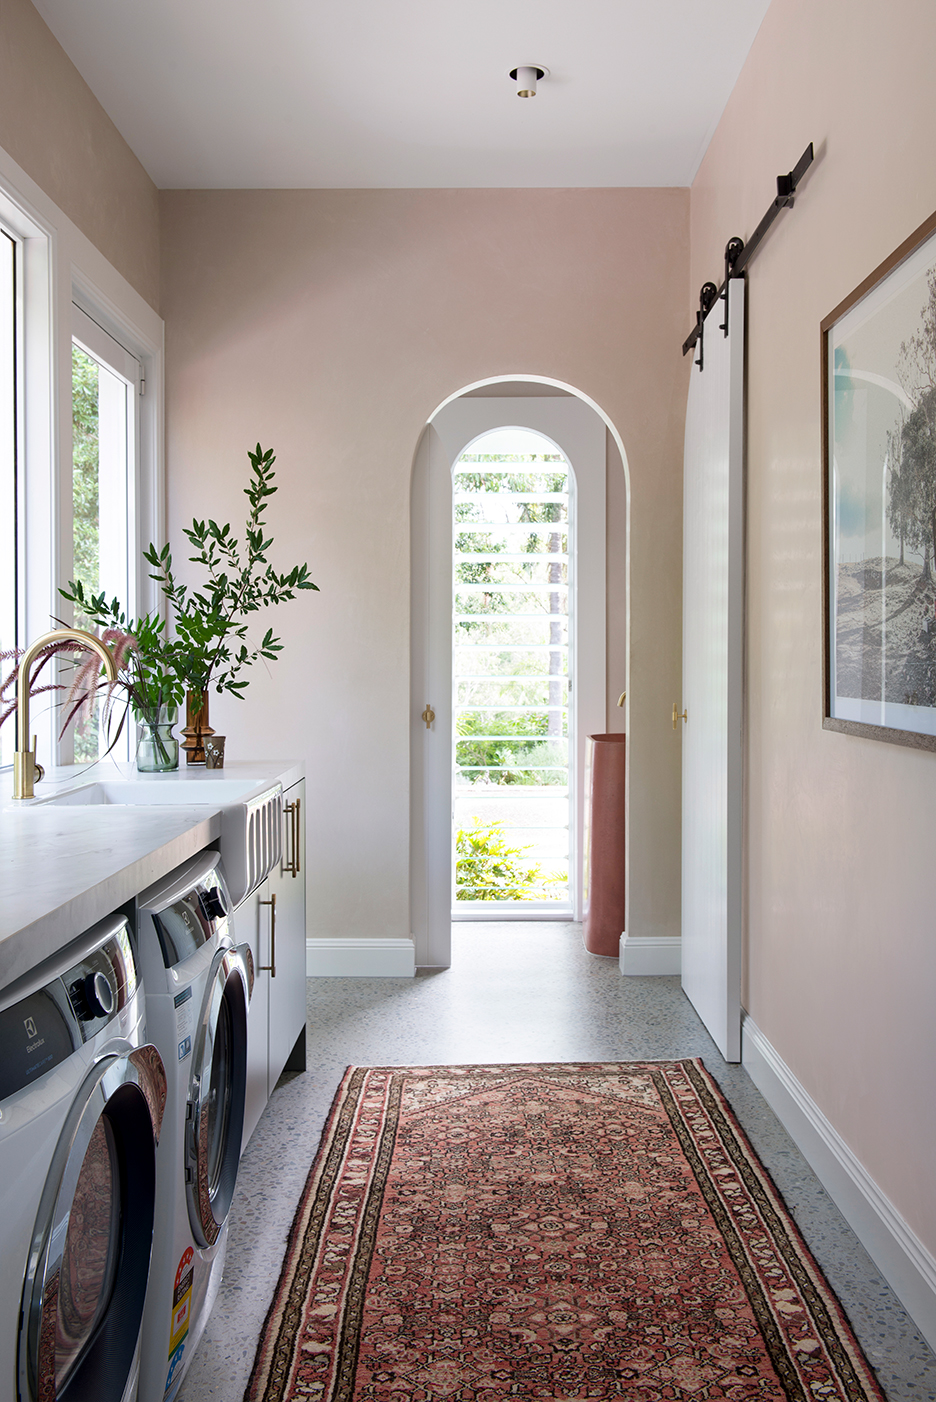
{"x":100,"y":995}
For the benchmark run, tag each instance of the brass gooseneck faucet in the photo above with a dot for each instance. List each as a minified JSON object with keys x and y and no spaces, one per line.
{"x":26,"y":772}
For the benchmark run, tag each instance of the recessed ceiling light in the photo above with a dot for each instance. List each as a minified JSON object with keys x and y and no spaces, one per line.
{"x":525,"y":75}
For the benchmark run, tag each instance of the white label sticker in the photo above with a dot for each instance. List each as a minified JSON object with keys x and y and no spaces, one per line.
{"x":183,"y":1019}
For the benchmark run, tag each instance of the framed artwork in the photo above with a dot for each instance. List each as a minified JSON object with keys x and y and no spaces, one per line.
{"x":879,"y":464}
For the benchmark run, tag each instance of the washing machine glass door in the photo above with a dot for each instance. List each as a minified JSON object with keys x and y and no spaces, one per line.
{"x":215,"y":1110}
{"x":89,"y":1261}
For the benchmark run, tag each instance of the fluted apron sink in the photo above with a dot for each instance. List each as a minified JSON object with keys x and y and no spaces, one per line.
{"x":251,"y":827}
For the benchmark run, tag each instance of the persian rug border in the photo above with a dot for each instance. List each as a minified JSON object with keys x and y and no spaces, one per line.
{"x":709,"y":1137}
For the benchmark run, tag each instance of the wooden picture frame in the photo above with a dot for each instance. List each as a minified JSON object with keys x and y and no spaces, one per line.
{"x":878,"y":350}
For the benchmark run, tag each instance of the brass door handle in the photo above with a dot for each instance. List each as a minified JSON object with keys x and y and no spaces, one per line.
{"x":271,"y":967}
{"x":677,"y":717}
{"x":622,"y":698}
{"x":428,"y":715}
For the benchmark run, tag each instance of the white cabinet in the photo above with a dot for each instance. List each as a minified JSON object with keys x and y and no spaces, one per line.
{"x":247,"y":927}
{"x":286,"y":887}
{"x":273,"y":921}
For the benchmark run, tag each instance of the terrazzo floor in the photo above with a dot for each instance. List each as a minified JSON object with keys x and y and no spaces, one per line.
{"x":515,"y":992}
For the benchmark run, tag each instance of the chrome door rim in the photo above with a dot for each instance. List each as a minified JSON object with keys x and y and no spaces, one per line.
{"x":208,"y":1207}
{"x":119,"y":1088}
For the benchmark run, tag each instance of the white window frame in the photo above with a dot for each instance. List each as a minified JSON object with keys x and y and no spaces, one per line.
{"x":110,"y":336}
{"x":12,"y":433}
{"x":59,"y":265}
{"x":36,"y":493}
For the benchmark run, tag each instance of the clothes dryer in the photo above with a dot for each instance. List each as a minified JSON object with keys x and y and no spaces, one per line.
{"x":197,"y":991}
{"x":81,"y":1103}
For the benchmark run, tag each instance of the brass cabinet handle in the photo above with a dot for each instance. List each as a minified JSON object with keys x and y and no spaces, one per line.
{"x":271,"y":967}
{"x":428,"y":715}
{"x":677,"y":717}
{"x":293,"y":862}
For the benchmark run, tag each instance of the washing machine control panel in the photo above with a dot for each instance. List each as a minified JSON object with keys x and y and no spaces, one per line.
{"x":101,"y":983}
{"x":39,"y":1029}
{"x":191,"y":920}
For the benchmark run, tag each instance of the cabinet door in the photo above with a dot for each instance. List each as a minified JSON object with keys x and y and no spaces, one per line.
{"x":288,"y":984}
{"x":251,"y":926}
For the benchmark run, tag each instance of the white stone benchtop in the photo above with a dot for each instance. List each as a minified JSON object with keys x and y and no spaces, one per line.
{"x":64,"y":868}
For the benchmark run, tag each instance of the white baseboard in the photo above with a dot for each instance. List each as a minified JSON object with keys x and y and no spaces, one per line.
{"x":903,"y":1260}
{"x":365,"y":958}
{"x":652,"y":954}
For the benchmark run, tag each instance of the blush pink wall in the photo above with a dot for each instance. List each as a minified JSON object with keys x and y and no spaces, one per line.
{"x":54,"y":127}
{"x":330,"y":325}
{"x":841,"y":880}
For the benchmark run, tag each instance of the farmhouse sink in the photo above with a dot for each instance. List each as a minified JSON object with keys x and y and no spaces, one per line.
{"x":251,"y":807}
{"x":218,"y":793}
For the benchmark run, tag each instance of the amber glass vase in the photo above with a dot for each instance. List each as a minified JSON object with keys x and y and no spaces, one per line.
{"x":196,"y":726}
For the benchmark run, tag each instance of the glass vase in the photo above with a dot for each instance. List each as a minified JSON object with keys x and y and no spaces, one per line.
{"x":157,"y":747}
{"x":196,"y":726}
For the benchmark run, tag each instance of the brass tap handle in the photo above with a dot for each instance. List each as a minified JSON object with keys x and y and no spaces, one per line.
{"x":25,"y":770}
{"x":428,"y":715}
{"x":37,"y":769}
{"x":677,"y":717}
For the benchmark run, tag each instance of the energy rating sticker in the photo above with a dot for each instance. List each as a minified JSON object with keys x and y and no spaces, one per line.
{"x":174,"y":1360}
{"x":181,"y":1312}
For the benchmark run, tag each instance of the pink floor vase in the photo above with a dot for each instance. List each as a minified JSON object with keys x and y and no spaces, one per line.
{"x":604,"y":844}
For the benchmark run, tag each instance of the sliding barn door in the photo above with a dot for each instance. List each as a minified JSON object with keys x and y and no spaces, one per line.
{"x":713,"y":624}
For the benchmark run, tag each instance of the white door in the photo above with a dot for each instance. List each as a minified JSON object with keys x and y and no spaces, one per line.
{"x":430,"y":695}
{"x":713,"y":623}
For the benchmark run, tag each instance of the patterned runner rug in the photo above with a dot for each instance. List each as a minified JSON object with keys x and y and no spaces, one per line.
{"x":483,"y":1233}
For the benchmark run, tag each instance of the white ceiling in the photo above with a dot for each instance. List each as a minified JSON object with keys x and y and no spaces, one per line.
{"x":409,"y":93}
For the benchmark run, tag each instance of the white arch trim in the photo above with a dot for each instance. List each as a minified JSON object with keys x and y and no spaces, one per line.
{"x":447,"y":436}
{"x":521,"y":379}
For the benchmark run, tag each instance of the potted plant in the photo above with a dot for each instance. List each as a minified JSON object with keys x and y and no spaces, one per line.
{"x":147,"y":679}
{"x":211,"y":647}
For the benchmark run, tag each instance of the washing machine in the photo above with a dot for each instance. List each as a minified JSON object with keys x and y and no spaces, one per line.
{"x":197,"y":992}
{"x":82,"y":1096}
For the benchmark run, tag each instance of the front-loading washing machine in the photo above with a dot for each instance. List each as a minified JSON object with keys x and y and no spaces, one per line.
{"x":197,"y":992}
{"x":81,"y":1102}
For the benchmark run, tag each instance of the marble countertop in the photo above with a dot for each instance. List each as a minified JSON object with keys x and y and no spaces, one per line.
{"x":64,"y":867}
{"x":260,"y":774}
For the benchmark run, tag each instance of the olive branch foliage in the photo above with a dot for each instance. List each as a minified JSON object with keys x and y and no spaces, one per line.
{"x":211,"y":646}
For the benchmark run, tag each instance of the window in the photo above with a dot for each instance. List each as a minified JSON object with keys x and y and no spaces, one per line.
{"x":105,"y":382}
{"x":513,"y":533}
{"x":62,"y":516}
{"x":9,"y":514}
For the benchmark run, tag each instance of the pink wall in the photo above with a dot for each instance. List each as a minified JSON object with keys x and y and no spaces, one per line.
{"x":841,"y":900}
{"x":330,"y":325}
{"x":55,"y":128}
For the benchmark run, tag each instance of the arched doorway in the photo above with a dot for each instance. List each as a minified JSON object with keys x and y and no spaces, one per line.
{"x":579,"y":434}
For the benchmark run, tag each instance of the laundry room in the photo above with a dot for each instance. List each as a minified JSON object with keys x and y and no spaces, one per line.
{"x":354,"y":365}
